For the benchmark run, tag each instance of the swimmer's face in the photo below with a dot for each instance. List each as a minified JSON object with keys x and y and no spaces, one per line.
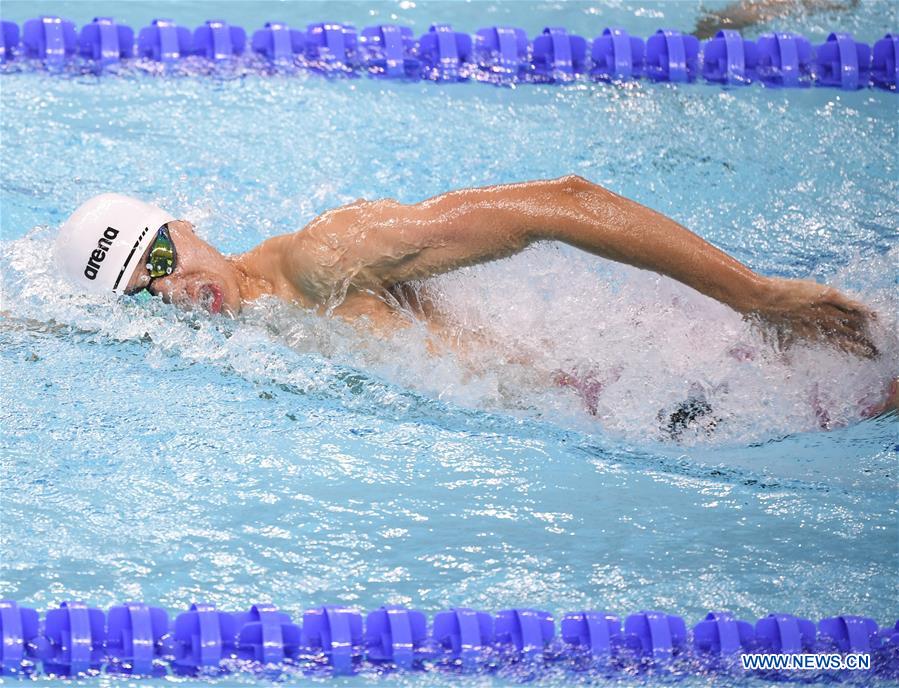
{"x":202,"y":279}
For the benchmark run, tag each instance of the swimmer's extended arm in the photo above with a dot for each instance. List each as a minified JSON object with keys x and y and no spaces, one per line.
{"x":373,"y":244}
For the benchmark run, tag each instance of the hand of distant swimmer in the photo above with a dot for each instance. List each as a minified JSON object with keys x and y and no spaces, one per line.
{"x":804,"y":309}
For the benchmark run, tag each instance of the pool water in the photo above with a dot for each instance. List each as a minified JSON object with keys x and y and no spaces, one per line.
{"x":149,"y":453}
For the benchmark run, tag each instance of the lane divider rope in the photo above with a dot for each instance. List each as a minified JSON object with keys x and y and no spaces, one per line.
{"x":497,"y":54}
{"x":140,"y":640}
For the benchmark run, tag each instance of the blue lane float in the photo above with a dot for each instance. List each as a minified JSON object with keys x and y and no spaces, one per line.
{"x":463,"y":634}
{"x":885,"y":62}
{"x":105,"y":41}
{"x":141,"y":640}
{"x":331,"y":46}
{"x":785,"y":59}
{"x":503,"y":51}
{"x":617,"y":56}
{"x":217,"y":40}
{"x":397,"y":635}
{"x":843,"y":63}
{"x":50,"y":39}
{"x":559,"y":56}
{"x":163,"y":41}
{"x":73,"y":639}
{"x":134,"y":631}
{"x":445,"y":54}
{"x":730,"y":59}
{"x":9,"y":39}
{"x":672,"y":56}
{"x":656,"y":635}
{"x":785,"y":633}
{"x":388,"y":51}
{"x":596,"y":633}
{"x":278,"y":42}
{"x":496,"y":54}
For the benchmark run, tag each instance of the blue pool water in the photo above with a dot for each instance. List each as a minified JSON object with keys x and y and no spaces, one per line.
{"x":153,"y":454}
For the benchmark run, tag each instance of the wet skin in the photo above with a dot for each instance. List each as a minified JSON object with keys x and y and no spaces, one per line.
{"x":744,"y":14}
{"x":346,"y":261}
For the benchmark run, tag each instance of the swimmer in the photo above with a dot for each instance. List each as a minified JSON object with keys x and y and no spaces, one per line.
{"x":352,"y":261}
{"x":745,"y":14}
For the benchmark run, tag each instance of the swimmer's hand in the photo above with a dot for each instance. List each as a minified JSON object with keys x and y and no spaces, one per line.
{"x":803,"y":309}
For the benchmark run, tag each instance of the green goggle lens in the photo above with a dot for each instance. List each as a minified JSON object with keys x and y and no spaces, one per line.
{"x":161,"y":261}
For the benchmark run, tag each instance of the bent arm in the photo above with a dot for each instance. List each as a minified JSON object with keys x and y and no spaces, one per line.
{"x":383,"y":243}
{"x":370,"y":245}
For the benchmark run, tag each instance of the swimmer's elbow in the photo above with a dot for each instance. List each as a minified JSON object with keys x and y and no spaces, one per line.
{"x":573,"y":184}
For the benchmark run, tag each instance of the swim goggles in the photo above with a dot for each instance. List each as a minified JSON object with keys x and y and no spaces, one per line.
{"x":161,"y":259}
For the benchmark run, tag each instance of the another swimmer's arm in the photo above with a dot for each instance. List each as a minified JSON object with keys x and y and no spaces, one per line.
{"x":746,"y":13}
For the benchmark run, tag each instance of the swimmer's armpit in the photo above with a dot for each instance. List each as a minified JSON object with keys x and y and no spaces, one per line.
{"x":747,"y":13}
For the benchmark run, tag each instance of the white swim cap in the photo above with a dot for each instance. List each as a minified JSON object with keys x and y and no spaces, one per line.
{"x":100,"y":246}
